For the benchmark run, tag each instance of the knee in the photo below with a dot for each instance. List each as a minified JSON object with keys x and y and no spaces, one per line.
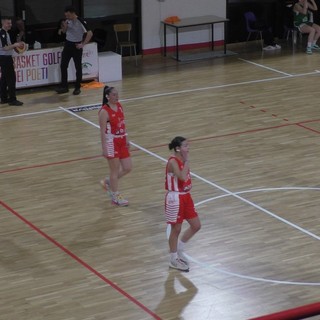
{"x":127,"y":170}
{"x":196,"y":227}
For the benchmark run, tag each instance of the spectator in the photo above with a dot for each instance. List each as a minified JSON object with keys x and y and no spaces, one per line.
{"x":303,"y":23}
{"x":268,"y":39}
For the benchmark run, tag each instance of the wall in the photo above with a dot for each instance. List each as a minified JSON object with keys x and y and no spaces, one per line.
{"x":154,"y":11}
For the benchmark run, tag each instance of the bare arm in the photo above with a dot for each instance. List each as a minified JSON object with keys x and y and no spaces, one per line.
{"x":64,"y":26}
{"x":85,"y":41}
{"x":12,"y":46}
{"x":87,"y":38}
{"x":297,"y":8}
{"x":312,"y":5}
{"x":180,"y":174}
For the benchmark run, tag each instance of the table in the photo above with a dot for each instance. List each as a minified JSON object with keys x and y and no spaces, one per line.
{"x":192,"y":22}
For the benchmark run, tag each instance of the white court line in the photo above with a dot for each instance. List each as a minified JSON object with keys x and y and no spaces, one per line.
{"x":29,"y":114}
{"x":257,"y":190}
{"x":222,"y":86}
{"x":265,"y":67}
{"x":238,"y":275}
{"x":173,"y":93}
{"x":229,"y":193}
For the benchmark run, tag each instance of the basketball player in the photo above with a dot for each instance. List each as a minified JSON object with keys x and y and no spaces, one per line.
{"x":115,"y":145}
{"x":179,"y":205}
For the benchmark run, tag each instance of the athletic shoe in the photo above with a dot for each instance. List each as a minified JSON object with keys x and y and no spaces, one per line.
{"x":182,"y":256}
{"x":15,"y":103}
{"x":118,"y":200}
{"x":276,"y":46}
{"x":309,"y":50}
{"x":179,"y":265}
{"x":269,"y":48}
{"x":105,"y":184}
{"x":315,"y":47}
{"x":61,"y":90}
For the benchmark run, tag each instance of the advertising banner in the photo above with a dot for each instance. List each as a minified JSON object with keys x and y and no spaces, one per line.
{"x":42,"y":66}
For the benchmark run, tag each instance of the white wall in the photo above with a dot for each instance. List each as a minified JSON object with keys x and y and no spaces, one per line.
{"x":154,"y":11}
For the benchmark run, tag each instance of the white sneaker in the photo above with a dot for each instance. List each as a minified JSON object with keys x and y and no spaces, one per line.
{"x":276,"y":46}
{"x":182,"y":256}
{"x":118,"y":200}
{"x":178,"y":264}
{"x":269,"y":48}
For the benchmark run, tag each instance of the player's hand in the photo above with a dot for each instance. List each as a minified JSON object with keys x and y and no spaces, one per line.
{"x":185,"y":155}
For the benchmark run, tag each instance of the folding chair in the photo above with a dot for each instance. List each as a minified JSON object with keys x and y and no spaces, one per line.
{"x":123,"y":38}
{"x":250,"y":18}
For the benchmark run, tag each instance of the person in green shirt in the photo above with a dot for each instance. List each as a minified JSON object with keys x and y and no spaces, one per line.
{"x":303,"y":22}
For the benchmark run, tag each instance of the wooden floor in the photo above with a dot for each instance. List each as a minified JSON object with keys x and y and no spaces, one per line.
{"x":253,"y":120}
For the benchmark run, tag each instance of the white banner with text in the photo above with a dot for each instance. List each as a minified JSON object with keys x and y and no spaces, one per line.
{"x":42,"y":66}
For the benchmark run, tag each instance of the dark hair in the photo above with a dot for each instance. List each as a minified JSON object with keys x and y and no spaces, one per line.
{"x":176,"y":142}
{"x":106,"y":91}
{"x":6,"y":18}
{"x":70,"y":9}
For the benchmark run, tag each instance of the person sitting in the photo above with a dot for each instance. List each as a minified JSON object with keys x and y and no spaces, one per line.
{"x":267,"y":36}
{"x":305,"y":25}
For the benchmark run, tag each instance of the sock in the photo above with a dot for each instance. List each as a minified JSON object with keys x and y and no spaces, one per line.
{"x":309,"y":45}
{"x":114,"y":194}
{"x":181,"y":245}
{"x":173,"y":256}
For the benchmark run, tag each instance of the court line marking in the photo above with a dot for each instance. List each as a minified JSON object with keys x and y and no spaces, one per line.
{"x":173,"y":93}
{"x":238,"y":275}
{"x":228,"y":193}
{"x":257,"y":190}
{"x":80,"y":261}
{"x":151,"y":147}
{"x":265,"y":67}
{"x":259,"y":208}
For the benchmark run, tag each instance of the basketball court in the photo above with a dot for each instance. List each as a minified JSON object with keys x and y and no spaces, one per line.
{"x":253,"y":122}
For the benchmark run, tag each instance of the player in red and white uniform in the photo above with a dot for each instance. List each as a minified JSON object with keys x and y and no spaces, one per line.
{"x":115,"y":145}
{"x":179,"y":205}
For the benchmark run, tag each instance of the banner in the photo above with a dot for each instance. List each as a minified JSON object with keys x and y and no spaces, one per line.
{"x":42,"y":66}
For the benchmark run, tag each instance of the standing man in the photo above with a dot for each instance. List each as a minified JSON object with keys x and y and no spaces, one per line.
{"x":8,"y":75}
{"x":77,"y":36}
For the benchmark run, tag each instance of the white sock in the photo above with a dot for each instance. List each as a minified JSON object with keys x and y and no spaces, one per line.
{"x":181,"y":245}
{"x":309,"y":44}
{"x":173,"y":256}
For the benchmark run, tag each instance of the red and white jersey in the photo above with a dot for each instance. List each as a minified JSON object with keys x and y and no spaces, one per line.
{"x":172,"y":182}
{"x":116,"y":124}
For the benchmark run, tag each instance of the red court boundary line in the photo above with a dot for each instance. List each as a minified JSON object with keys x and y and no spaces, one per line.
{"x":303,"y":312}
{"x":80,"y":261}
{"x":299,"y":124}
{"x":49,"y":164}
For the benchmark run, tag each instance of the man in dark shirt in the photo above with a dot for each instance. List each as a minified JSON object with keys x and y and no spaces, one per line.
{"x":77,"y":36}
{"x":8,"y":75}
